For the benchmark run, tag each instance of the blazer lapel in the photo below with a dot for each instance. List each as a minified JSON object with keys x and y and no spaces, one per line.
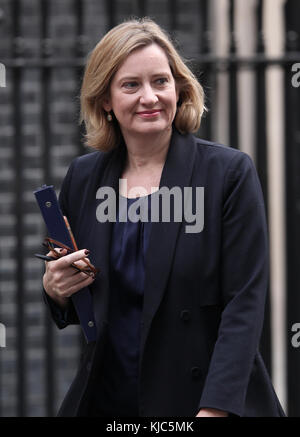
{"x":97,"y":236}
{"x":177,"y":172}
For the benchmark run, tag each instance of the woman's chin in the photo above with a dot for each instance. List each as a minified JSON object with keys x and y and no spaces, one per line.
{"x":150,"y":128}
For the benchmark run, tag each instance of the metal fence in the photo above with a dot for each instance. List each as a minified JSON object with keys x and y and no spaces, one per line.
{"x":37,"y":58}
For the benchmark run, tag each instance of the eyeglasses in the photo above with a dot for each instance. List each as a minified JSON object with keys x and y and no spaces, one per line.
{"x":52,"y":246}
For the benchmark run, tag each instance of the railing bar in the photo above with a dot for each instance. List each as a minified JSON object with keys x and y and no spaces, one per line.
{"x":142,"y":8}
{"x":20,"y":279}
{"x":219,"y":62}
{"x":233,"y":101}
{"x":46,"y":163}
{"x":79,"y":68}
{"x":110,"y":13}
{"x":173,"y":8}
{"x":261,"y":162}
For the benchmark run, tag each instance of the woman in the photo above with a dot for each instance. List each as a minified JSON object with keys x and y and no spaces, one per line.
{"x":178,"y":309}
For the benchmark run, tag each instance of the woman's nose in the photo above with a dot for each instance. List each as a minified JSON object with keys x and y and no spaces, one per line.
{"x":148,"y":97}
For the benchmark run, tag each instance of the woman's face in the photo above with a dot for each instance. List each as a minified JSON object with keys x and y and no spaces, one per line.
{"x":143,"y":93}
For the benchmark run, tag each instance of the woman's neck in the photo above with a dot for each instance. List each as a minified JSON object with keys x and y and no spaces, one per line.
{"x":147,"y":151}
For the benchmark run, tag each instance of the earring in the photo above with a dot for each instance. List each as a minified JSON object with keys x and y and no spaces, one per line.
{"x":109,"y":117}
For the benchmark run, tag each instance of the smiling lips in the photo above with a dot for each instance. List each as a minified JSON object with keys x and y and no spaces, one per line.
{"x":149,"y":114}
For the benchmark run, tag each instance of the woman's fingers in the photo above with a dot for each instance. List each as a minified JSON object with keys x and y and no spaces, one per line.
{"x":72,"y":287}
{"x":67,"y":272}
{"x":66,"y":261}
{"x":61,"y":279}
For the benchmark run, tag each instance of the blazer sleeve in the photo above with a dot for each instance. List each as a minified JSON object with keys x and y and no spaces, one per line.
{"x":244,"y":281}
{"x":68,"y":315}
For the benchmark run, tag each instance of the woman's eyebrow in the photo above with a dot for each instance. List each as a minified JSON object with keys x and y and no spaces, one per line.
{"x":127,"y":78}
{"x":161,"y":73}
{"x":156,"y":74}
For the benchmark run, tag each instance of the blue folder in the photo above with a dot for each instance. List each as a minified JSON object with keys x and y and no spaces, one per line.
{"x":57,"y":229}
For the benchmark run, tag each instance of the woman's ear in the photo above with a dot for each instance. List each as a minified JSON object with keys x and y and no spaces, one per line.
{"x":106,"y":104}
{"x":177,"y":90}
{"x":178,"y":99}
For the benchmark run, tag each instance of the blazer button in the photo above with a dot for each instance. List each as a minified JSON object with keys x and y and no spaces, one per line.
{"x":185,"y":315}
{"x":89,"y":366}
{"x":90,"y":324}
{"x":196,"y":372}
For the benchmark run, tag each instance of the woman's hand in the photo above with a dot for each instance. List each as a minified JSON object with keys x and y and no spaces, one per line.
{"x":60,"y":280}
{"x":211,"y":412}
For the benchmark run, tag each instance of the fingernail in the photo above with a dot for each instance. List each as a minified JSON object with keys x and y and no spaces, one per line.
{"x":86,"y":251}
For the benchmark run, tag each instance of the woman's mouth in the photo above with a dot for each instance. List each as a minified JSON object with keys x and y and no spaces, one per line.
{"x":149,"y":114}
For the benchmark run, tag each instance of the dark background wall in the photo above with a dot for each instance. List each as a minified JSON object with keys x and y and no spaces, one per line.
{"x":43,"y":45}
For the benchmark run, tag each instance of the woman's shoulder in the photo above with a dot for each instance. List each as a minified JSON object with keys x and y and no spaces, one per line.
{"x":221,"y":154}
{"x":88,"y":158}
{"x":218,"y":149}
{"x":85,"y":164}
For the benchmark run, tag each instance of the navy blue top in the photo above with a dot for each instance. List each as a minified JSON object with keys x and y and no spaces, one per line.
{"x":118,"y":390}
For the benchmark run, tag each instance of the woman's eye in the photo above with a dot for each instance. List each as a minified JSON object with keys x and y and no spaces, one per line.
{"x":162,"y":80}
{"x":130,"y":85}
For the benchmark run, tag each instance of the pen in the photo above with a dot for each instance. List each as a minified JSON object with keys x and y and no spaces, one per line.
{"x":51,"y":258}
{"x":45,"y":257}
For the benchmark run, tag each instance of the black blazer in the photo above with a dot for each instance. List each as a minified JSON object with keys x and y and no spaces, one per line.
{"x":204,"y":292}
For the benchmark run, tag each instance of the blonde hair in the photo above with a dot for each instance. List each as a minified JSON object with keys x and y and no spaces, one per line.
{"x":103,"y":63}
